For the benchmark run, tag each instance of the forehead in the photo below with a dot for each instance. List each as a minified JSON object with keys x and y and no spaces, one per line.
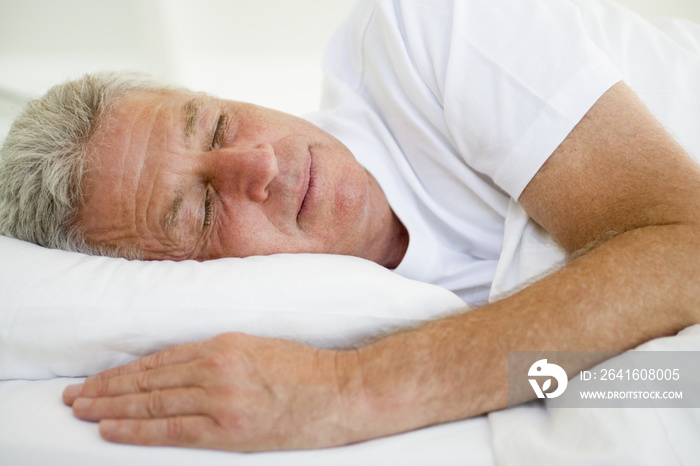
{"x":137,"y":111}
{"x":133,"y":125}
{"x":135,"y":130}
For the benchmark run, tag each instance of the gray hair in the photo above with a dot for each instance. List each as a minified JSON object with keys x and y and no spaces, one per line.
{"x":43,"y":158}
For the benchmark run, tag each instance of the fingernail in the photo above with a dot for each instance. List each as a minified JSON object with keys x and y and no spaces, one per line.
{"x":72,"y":391}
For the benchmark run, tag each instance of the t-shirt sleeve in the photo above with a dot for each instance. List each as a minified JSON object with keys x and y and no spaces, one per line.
{"x":520,"y":74}
{"x":501,"y":82}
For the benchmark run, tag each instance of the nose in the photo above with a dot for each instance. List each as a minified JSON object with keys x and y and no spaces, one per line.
{"x":245,"y":170}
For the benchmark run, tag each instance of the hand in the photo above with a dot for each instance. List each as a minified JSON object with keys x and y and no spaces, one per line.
{"x":232,"y":392}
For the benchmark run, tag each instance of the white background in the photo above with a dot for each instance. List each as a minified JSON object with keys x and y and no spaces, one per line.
{"x":265,"y":51}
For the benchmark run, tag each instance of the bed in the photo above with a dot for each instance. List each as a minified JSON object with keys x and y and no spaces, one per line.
{"x":57,"y":326}
{"x":66,"y":315}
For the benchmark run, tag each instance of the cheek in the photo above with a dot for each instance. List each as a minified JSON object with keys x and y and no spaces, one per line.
{"x":238,"y":232}
{"x":248,"y":232}
{"x":349,"y":212}
{"x":350,"y":197}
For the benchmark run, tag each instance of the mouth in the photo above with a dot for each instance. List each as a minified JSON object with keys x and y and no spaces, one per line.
{"x":307,"y":187}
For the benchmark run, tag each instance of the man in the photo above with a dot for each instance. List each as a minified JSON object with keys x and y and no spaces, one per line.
{"x":435,"y":98}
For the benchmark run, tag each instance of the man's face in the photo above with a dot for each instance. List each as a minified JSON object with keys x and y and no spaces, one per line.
{"x":180,"y":175}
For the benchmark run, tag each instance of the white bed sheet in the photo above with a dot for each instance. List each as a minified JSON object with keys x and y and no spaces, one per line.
{"x":537,"y":433}
{"x":37,"y":429}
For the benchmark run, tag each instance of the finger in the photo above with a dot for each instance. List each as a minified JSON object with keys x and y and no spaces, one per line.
{"x":70,"y":393}
{"x":185,"y":431}
{"x":177,"y":375}
{"x":154,"y":404}
{"x":173,"y":355}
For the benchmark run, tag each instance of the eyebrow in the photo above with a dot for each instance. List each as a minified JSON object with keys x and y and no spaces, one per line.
{"x":192,"y":109}
{"x":172,"y":217}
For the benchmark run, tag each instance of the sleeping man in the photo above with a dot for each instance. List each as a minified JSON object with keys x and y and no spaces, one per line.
{"x":437,"y":117}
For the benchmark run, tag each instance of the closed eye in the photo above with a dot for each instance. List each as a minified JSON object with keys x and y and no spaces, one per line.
{"x":217,"y":138}
{"x":208,"y":208}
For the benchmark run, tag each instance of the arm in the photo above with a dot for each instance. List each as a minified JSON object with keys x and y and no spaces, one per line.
{"x":619,"y":187}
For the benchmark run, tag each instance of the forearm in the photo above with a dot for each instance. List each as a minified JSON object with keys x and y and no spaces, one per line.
{"x":639,"y":285}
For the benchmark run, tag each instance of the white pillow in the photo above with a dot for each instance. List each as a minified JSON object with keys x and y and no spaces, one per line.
{"x":69,"y":314}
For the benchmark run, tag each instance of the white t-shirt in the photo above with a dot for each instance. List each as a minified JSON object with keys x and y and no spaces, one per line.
{"x":453,"y":106}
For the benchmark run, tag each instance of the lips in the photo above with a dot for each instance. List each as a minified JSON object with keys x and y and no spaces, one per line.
{"x":307,"y":187}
